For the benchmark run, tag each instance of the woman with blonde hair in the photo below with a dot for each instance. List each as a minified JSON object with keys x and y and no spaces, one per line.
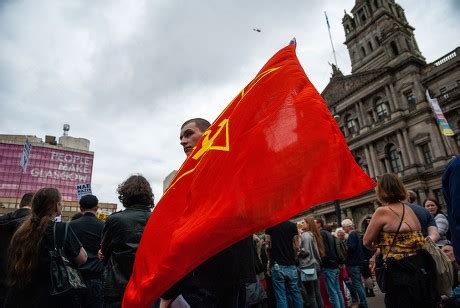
{"x":395,"y":230}
{"x":312,"y":250}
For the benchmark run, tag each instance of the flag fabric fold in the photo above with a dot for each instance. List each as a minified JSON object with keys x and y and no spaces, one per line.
{"x":272,"y":153}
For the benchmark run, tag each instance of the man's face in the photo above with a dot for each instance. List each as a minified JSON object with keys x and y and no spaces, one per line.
{"x":348,"y":229}
{"x":189,"y":136}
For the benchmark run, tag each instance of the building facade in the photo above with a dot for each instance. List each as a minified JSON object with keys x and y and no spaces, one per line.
{"x":382,"y":109}
{"x":61,"y":164}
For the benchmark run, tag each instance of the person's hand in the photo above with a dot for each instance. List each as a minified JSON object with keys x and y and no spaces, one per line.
{"x":100,"y":256}
{"x":372,"y":264}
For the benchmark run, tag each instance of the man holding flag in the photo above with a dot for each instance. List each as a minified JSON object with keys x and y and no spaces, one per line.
{"x":272,"y":153}
{"x":219,"y":281}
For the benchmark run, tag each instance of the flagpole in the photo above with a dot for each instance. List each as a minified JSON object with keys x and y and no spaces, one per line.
{"x":19,"y":187}
{"x":330,"y":38}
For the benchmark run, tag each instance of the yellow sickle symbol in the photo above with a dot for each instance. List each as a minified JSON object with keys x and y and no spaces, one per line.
{"x":207,"y":143}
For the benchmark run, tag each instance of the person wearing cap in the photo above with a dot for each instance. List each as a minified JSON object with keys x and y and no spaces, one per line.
{"x":88,"y":230}
{"x":355,"y":259}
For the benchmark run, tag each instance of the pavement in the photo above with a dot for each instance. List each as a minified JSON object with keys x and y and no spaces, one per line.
{"x":378,"y":300}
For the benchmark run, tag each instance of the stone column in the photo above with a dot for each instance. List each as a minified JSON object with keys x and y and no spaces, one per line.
{"x":408,"y":146}
{"x":374,"y":160}
{"x":361,"y":114}
{"x":403,"y":149}
{"x":387,"y":165}
{"x":390,"y":99}
{"x":394,"y":96}
{"x":370,"y":163}
{"x":422,"y":195}
{"x":421,"y":158}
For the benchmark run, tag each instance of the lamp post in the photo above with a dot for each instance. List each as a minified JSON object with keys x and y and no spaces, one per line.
{"x":337,"y":212}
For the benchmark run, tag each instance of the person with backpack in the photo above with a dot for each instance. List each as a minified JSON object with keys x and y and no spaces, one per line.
{"x":355,"y":258}
{"x":330,"y":266}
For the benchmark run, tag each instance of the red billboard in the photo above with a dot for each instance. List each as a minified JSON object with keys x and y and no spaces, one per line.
{"x":47,"y":167}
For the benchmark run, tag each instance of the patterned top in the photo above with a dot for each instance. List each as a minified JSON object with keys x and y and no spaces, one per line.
{"x":406,"y":244}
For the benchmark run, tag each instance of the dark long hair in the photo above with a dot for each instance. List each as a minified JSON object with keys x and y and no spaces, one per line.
{"x":23,"y":251}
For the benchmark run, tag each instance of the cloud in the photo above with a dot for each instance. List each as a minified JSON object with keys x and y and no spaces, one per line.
{"x":126,"y":74}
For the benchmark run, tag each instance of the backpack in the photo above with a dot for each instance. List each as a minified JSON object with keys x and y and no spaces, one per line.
{"x":444,"y":268}
{"x":340,"y":250}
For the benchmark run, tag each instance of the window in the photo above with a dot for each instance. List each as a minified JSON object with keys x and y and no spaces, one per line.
{"x":394,"y":48}
{"x":395,"y":159}
{"x":352,"y":125}
{"x":427,"y":153}
{"x":370,"y":46}
{"x":362,"y":15}
{"x":444,"y":93}
{"x":347,"y":29}
{"x":411,"y":100}
{"x":363,"y":51}
{"x":377,"y":40}
{"x":382,"y":111}
{"x":376,"y":4}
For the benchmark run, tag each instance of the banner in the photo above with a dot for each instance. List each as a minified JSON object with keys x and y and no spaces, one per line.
{"x":83,"y":189}
{"x":440,"y":119}
{"x":25,"y":155}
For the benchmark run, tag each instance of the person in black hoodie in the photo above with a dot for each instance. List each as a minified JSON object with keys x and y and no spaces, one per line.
{"x":9,"y":223}
{"x":88,"y":230}
{"x":121,"y":236}
{"x":330,"y":267}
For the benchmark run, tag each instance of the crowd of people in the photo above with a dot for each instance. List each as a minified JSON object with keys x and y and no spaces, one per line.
{"x":308,"y":264}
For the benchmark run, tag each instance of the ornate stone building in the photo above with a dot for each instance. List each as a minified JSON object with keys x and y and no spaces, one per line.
{"x":382,"y":109}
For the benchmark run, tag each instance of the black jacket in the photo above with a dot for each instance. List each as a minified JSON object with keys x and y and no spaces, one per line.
{"x":88,"y":230}
{"x":120,"y":239}
{"x":330,"y":259}
{"x":9,"y":223}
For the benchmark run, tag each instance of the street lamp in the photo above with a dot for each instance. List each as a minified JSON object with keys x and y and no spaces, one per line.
{"x":338,"y":214}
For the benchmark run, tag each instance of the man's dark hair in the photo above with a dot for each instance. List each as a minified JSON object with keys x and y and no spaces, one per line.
{"x":135,"y":190}
{"x":26,"y":200}
{"x":202,"y":124}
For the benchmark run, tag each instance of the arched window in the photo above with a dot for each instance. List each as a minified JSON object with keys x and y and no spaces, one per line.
{"x":370,"y":46}
{"x":382,"y":110}
{"x":363,"y":51}
{"x":352,"y":125}
{"x":347,"y":29}
{"x":394,"y":48}
{"x":377,"y":40}
{"x":395,"y":158}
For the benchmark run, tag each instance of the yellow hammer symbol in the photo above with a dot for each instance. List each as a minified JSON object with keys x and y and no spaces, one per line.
{"x":208,"y":141}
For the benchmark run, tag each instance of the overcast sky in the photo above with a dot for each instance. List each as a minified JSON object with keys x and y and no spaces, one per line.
{"x":126,"y":74}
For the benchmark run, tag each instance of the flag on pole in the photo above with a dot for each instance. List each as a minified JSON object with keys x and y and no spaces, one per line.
{"x":440,"y":119}
{"x":25,"y":155}
{"x":272,"y":153}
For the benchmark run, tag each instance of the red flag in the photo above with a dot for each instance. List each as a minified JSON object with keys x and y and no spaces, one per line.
{"x":272,"y":153}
